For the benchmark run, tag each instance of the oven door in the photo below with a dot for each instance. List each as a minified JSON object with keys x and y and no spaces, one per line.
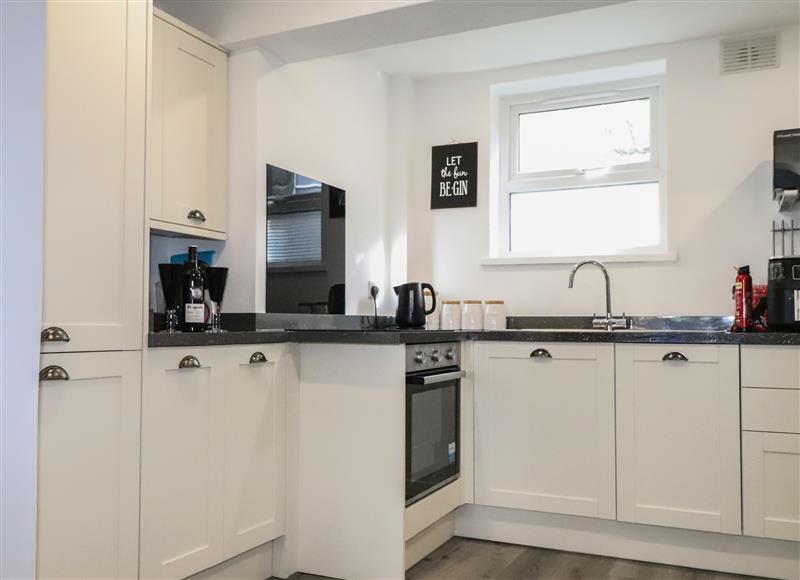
{"x":433,"y":404}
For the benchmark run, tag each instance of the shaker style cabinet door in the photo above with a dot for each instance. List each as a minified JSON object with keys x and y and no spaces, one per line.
{"x":544,"y":427}
{"x":94,"y":176}
{"x":182,"y":471}
{"x":678,"y":461}
{"x":771,"y":485}
{"x":187,"y":142}
{"x":88,"y":491}
{"x":254,"y":447}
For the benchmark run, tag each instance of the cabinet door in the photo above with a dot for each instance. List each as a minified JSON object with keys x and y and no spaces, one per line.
{"x":94,"y":177}
{"x":678,"y":458}
{"x":771,"y":494}
{"x":88,"y":512}
{"x":182,"y":470}
{"x":187,"y":170}
{"x":544,"y":427}
{"x":254,"y":447}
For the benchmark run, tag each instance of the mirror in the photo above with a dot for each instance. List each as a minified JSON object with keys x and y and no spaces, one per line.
{"x":305,"y":244}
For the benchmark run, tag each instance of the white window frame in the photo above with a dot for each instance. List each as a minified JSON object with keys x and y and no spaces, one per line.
{"x":511,"y":181}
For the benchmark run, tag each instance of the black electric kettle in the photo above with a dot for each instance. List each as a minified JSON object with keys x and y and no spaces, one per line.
{"x":411,"y":311}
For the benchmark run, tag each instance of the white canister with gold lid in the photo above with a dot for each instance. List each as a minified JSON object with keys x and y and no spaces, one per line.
{"x":450,"y":318}
{"x":494,"y":315}
{"x":472,"y":315}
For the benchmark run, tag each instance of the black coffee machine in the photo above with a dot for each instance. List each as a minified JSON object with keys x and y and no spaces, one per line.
{"x":783,"y":300}
{"x":411,"y":311}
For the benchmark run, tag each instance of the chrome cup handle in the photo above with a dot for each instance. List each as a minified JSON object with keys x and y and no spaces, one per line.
{"x":541,"y":353}
{"x":196,"y":214}
{"x":189,"y":362}
{"x":53,"y":373}
{"x":55,"y":334}
{"x":257,"y":358}
{"x":675,"y":355}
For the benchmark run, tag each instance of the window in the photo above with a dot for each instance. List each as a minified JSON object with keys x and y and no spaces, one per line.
{"x":582,"y":174}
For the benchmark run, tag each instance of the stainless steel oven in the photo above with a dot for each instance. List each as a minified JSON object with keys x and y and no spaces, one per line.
{"x":433,"y":409}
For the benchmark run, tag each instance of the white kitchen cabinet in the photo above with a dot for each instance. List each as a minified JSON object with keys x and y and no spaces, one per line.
{"x":771,"y":441}
{"x":678,"y":461}
{"x":88,"y":489}
{"x":771,"y":485}
{"x":187,"y":141}
{"x":94,"y":176}
{"x":182,"y":443}
{"x":212,"y":456}
{"x":544,"y":427}
{"x":254,"y":448}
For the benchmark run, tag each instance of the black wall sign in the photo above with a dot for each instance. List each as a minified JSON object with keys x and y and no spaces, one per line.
{"x":454,"y":175}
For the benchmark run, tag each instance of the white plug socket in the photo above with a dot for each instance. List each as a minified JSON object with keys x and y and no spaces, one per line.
{"x":370,"y":284}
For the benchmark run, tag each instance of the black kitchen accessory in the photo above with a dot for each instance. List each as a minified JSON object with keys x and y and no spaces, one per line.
{"x":215,"y":280}
{"x":411,"y":311}
{"x":172,"y":285}
{"x":783,"y":300}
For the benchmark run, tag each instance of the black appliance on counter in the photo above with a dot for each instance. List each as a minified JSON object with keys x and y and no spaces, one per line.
{"x":433,"y":409}
{"x":411,"y":310}
{"x":783,"y":294}
{"x":786,"y":159}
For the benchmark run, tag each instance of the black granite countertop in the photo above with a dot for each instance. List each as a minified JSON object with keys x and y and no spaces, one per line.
{"x":352,"y":336}
{"x":160,"y":339}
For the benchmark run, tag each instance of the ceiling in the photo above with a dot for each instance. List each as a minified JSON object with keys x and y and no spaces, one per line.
{"x":294,"y":31}
{"x":597,"y":30}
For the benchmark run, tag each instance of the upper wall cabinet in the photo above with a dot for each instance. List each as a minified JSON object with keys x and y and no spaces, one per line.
{"x":187,"y":141}
{"x":94,"y":183}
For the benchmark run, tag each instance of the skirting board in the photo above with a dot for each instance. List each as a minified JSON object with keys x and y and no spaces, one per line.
{"x":255,"y":564}
{"x":429,"y":539}
{"x":703,"y":550}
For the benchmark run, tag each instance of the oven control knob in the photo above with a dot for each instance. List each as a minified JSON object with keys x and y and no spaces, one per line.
{"x":436,"y":356}
{"x":450,"y":354}
{"x":419,"y":357}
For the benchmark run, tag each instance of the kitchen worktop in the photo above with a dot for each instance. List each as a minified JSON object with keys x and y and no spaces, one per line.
{"x":352,"y":336}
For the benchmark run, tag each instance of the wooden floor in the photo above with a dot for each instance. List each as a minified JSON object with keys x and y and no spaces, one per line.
{"x":464,"y":559}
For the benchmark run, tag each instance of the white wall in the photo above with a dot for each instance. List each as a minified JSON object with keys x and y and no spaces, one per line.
{"x":327,"y":119}
{"x":324,"y":118}
{"x":244,"y":250}
{"x":22,"y":30}
{"x":719,"y":187}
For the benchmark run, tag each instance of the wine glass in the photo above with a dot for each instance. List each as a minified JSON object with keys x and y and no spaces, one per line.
{"x":172,"y":284}
{"x":215,"y":278}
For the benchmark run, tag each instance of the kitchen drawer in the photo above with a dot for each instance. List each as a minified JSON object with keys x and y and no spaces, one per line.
{"x":775,"y":367}
{"x":775,"y":410}
{"x":696,"y":353}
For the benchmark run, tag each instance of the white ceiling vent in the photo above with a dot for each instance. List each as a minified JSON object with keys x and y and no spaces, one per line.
{"x":744,"y":53}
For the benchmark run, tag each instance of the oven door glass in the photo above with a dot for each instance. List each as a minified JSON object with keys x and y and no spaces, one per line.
{"x":432,"y":437}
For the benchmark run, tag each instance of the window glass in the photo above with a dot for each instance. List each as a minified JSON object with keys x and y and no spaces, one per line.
{"x":584,"y":138}
{"x":600,"y":220}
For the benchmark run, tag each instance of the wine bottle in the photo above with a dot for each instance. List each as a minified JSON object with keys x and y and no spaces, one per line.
{"x":194,"y":308}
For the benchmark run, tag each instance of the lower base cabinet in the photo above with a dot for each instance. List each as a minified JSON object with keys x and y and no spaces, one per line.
{"x":544,"y":427}
{"x":212,"y":456}
{"x":678,"y":459}
{"x":88,"y":489}
{"x":771,"y":485}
